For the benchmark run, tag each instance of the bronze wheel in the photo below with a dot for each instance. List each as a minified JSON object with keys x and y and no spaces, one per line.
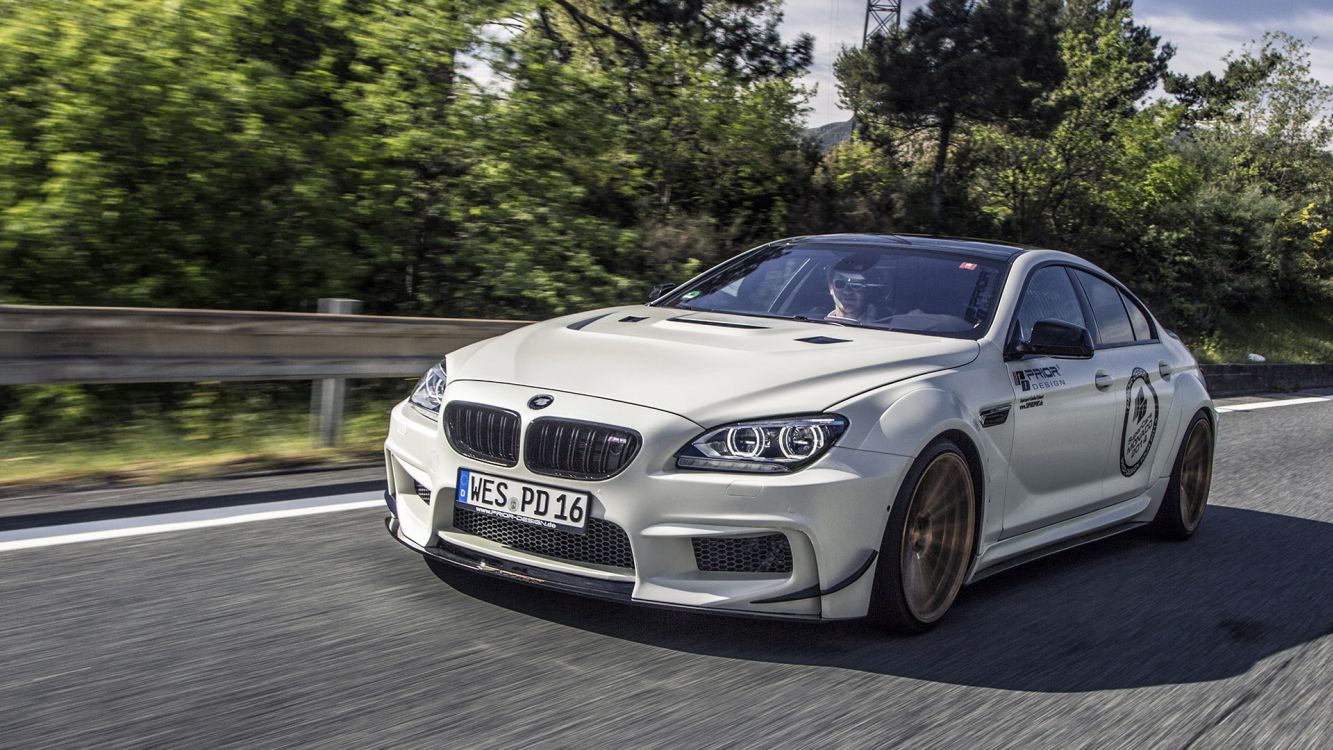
{"x":928,"y":543}
{"x":1196,"y":473}
{"x":1191,"y":478}
{"x":937,"y":538}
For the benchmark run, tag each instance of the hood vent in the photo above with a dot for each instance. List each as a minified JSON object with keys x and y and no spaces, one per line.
{"x":718,"y":323}
{"x":579,"y":325}
{"x":822,"y":340}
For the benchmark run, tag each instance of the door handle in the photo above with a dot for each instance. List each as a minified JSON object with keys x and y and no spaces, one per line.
{"x":1103,"y":380}
{"x":1164,"y":369}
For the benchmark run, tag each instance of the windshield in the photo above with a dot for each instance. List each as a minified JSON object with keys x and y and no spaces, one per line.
{"x":892,"y":288}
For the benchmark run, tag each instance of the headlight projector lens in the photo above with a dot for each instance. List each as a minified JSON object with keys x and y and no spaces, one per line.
{"x":801,"y":442}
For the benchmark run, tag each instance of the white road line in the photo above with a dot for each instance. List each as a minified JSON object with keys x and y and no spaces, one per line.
{"x":1271,"y":404}
{"x":117,"y":528}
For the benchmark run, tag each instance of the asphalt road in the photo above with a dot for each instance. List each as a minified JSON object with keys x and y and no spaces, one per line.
{"x":321,"y":631}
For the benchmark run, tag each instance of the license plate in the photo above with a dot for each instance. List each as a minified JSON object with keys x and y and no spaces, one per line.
{"x":536,"y":504}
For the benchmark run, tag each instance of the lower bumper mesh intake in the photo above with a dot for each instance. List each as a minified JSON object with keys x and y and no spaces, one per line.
{"x":602,"y":542}
{"x":770,"y":553}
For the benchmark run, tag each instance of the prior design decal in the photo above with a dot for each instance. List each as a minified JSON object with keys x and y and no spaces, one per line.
{"x":1038,"y":378}
{"x":1140,"y":422}
{"x":1031,"y":402}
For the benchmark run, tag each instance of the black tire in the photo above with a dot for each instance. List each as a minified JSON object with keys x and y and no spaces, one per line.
{"x":1186,"y":497}
{"x":933,"y":517}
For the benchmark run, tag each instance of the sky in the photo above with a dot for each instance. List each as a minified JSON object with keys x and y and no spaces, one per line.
{"x":1203,"y":31}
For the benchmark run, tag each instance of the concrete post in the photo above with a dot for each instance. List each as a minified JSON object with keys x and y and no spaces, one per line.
{"x":328,"y":396}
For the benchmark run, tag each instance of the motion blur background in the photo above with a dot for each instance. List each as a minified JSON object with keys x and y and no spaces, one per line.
{"x":529,"y":158}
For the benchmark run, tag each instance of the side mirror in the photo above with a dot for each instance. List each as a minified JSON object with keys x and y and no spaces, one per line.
{"x":659,"y":291}
{"x":1056,"y":338}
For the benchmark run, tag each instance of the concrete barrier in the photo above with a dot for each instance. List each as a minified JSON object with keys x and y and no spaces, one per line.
{"x":1243,"y":379}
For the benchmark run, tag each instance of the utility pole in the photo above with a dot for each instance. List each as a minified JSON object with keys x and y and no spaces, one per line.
{"x":880,"y":14}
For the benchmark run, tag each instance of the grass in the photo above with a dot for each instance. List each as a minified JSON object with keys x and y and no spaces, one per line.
{"x":144,"y":454}
{"x":1282,"y":333}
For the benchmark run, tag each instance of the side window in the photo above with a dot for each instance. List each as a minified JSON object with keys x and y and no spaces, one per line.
{"x":1113,"y":325}
{"x":1138,"y":319}
{"x":1049,"y":295}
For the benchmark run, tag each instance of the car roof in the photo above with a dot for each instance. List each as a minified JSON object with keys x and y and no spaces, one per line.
{"x":982,"y":248}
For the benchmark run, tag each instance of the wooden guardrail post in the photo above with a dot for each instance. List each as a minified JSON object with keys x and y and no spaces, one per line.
{"x":328,"y":396}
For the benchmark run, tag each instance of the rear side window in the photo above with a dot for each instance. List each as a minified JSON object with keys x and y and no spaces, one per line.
{"x":1049,"y":296}
{"x":1113,"y":326}
{"x":1138,"y":319}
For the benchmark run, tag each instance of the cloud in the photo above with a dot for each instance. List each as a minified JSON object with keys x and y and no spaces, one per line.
{"x":1201,"y":43}
{"x":834,"y":24}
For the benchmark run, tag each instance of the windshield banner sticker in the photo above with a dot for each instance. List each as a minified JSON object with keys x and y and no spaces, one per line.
{"x":1140,"y":422}
{"x":1038,"y":378}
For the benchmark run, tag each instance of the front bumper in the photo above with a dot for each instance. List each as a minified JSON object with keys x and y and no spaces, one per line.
{"x":461,"y":557}
{"x":832,"y":514}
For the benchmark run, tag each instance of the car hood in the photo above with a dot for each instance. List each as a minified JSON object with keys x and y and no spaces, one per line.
{"x":708,"y":367}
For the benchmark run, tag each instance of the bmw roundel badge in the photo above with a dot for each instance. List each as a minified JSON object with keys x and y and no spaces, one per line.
{"x":540,"y":402}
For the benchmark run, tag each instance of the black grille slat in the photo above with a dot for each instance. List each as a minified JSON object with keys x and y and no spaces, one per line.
{"x":482,"y":432}
{"x":770,"y":553}
{"x":601,"y":543}
{"x":579,"y":450}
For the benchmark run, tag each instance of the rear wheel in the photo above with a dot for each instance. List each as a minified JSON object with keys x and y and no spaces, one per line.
{"x":1191,"y":478}
{"x":927,"y":545}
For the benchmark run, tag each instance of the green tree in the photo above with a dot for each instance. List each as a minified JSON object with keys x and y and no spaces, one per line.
{"x":955,"y":62}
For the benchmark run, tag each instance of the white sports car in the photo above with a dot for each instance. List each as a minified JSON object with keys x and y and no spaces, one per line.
{"x":820,"y":428}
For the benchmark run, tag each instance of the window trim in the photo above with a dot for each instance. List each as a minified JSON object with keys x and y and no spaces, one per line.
{"x":1013,"y":336}
{"x":1083,"y":294}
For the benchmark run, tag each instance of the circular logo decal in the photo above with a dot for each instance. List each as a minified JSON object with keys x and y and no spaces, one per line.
{"x":1140,"y":422}
{"x":540,"y":402}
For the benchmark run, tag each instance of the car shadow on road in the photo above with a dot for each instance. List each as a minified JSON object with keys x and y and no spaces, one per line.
{"x":1126,"y":612}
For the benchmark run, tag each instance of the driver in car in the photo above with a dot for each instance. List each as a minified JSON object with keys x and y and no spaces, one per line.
{"x":851,"y":285}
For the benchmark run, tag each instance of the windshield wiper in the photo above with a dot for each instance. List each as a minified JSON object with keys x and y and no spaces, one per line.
{"x":825,"y":321}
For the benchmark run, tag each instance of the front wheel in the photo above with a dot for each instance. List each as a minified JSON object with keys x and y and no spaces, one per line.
{"x":927,"y":545}
{"x":1191,"y":478}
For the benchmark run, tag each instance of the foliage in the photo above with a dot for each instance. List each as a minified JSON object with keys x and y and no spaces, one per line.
{"x":520,"y":158}
{"x":256,"y":154}
{"x":955,"y":62}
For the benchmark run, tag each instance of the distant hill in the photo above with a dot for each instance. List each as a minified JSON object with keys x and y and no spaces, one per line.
{"x":830,"y":135}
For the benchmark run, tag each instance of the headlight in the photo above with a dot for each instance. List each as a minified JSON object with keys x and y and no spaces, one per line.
{"x":428,"y":394}
{"x":769,"y":446}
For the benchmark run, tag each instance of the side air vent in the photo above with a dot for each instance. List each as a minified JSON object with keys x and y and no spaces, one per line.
{"x":995,"y":415}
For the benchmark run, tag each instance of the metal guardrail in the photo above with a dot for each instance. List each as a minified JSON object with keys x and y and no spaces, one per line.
{"x":40,"y":344}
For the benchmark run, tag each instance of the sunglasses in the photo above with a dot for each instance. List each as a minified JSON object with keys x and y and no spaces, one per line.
{"x":841,"y":283}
